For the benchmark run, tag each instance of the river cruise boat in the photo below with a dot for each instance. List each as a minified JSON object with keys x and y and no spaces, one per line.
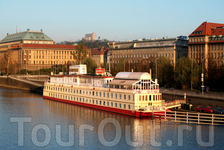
{"x":129,"y":93}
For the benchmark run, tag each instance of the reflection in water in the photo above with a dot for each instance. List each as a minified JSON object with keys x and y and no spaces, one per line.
{"x":134,"y":134}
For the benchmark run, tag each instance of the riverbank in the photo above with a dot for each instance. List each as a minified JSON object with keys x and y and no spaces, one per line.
{"x":21,"y":84}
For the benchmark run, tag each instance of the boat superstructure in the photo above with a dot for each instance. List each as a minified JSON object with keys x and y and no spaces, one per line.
{"x":130,"y":93}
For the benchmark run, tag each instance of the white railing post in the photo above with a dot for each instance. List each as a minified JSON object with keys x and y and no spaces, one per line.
{"x":187,"y":117}
{"x":212,"y":118}
{"x":198,"y":118}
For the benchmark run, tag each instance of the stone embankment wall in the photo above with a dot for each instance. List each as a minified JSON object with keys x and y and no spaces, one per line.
{"x":209,"y":99}
{"x":15,"y":83}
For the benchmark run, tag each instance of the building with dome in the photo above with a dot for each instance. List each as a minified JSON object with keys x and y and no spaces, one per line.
{"x":33,"y":50}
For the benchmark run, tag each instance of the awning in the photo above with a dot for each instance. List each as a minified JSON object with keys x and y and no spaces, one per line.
{"x":122,"y":82}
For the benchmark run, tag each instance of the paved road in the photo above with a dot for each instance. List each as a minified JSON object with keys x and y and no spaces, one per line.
{"x":194,"y":93}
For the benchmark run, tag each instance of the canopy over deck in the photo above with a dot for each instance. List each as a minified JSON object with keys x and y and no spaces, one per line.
{"x":123,"y":82}
{"x":133,"y":76}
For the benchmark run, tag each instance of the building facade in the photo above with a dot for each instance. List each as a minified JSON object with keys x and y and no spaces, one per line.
{"x":90,"y":37}
{"x":34,"y":50}
{"x":206,"y":44}
{"x":150,"y":50}
{"x":99,"y":55}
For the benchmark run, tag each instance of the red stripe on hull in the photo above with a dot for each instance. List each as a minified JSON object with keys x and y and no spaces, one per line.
{"x":105,"y":108}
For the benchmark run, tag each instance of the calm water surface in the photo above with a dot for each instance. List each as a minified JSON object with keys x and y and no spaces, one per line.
{"x":27,"y":121}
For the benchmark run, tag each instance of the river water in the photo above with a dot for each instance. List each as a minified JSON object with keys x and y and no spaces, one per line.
{"x":27,"y":121}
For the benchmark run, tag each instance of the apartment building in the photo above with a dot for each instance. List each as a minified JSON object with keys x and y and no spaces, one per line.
{"x":99,"y":55}
{"x":206,"y":44}
{"x":150,"y":50}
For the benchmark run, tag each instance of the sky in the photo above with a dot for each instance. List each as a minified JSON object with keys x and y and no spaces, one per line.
{"x":114,"y":20}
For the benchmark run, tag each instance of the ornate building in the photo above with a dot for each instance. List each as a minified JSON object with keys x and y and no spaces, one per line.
{"x":34,"y":50}
{"x":206,"y":43}
{"x":150,"y":50}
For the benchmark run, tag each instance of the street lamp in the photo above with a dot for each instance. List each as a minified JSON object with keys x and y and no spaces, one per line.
{"x":202,"y":76}
{"x":156,"y":70}
{"x":191,"y":74}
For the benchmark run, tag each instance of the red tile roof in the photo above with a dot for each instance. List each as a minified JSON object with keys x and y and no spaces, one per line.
{"x":47,"y":46}
{"x":99,"y":51}
{"x":208,"y":28}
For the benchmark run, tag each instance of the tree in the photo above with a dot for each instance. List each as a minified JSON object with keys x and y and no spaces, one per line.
{"x":91,"y":65}
{"x":7,"y":64}
{"x":119,"y":67}
{"x":183,"y":74}
{"x":165,"y":72}
{"x":80,"y":54}
{"x":143,"y":66}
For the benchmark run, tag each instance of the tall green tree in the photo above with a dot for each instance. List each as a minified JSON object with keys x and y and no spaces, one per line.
{"x":119,"y":67}
{"x":91,"y":65}
{"x":165,"y":73}
{"x":185,"y":73}
{"x":80,"y":54}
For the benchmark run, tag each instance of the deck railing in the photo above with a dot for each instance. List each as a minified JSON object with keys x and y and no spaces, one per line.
{"x":193,"y":117}
{"x":90,"y":87}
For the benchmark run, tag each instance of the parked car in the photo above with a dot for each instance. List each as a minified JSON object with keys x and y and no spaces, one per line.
{"x":218,"y":110}
{"x":208,"y":109}
{"x":205,"y":89}
{"x":199,"y":108}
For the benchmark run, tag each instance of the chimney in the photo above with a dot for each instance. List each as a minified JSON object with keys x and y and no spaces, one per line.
{"x":7,"y":34}
{"x":28,"y":29}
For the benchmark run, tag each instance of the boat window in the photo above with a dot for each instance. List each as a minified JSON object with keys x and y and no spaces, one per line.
{"x":108,"y":104}
{"x":107,"y":94}
{"x":115,"y":95}
{"x":103,"y":94}
{"x":90,"y":101}
{"x":74,"y":91}
{"x":129,"y":106}
{"x":80,"y":91}
{"x":153,"y":97}
{"x":120,"y":105}
{"x":149,"y":97}
{"x":80,"y":99}
{"x":120,"y":96}
{"x":96,"y":93}
{"x":83,"y":100}
{"x":115,"y":104}
{"x":65,"y":90}
{"x":143,"y":97}
{"x":124,"y":106}
{"x":93,"y":93}
{"x":112,"y":104}
{"x":129,"y":97}
{"x":140,"y":97}
{"x":96,"y":101}
{"x":83,"y":92}
{"x":100,"y":94}
{"x":104,"y":103}
{"x":111,"y":95}
{"x":71,"y":90}
{"x":146,"y":97}
{"x":68,"y":90}
{"x":93,"y":101}
{"x":100,"y":102}
{"x":74,"y":98}
{"x":89,"y":92}
{"x":124,"y":96}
